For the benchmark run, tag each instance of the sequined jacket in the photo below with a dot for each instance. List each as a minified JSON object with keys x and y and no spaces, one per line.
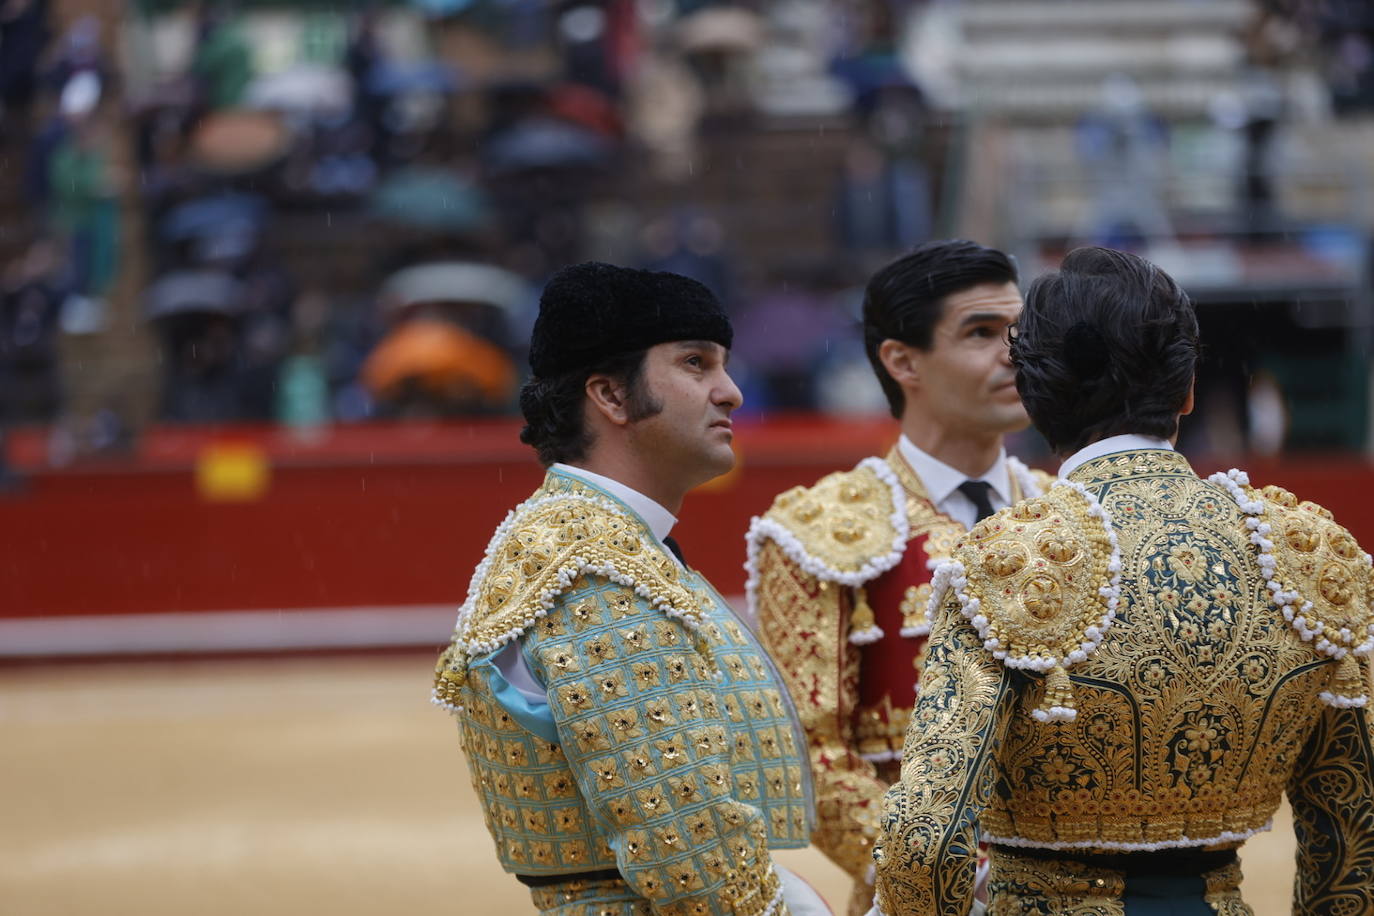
{"x":839,"y":581}
{"x":667,"y":751}
{"x":1141,"y":660}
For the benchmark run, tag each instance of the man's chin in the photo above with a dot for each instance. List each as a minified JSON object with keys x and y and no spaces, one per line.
{"x":1017,"y":422}
{"x":716,"y":466}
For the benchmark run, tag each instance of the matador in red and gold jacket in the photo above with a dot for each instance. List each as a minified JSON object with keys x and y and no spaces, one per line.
{"x":840,"y":572}
{"x":840,"y":576}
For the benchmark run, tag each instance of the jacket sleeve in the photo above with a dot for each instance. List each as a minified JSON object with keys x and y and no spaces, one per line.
{"x":636,"y":707}
{"x":804,"y":625}
{"x":927,"y":851}
{"x":1332,"y":794}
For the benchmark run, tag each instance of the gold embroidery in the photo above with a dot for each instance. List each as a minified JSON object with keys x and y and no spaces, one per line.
{"x":1060,"y":887}
{"x":530,"y":564}
{"x":1194,"y":715}
{"x":843,"y":521}
{"x":913,"y":606}
{"x":1036,"y":570}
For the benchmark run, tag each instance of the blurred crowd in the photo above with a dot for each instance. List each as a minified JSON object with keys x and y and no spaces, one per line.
{"x":357,"y":226}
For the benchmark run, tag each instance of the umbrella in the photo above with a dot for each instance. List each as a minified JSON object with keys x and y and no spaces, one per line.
{"x":428,"y":198}
{"x":455,"y":281}
{"x":720,"y":28}
{"x":546,"y":143}
{"x":186,"y":291}
{"x":442,"y":359}
{"x":307,"y":87}
{"x":239,"y":140}
{"x":231,"y":212}
{"x":401,"y":79}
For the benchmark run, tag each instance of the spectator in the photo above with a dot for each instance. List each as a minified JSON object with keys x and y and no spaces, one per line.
{"x":223,"y":63}
{"x":23,"y":36}
{"x":30,"y":302}
{"x":81,"y":190}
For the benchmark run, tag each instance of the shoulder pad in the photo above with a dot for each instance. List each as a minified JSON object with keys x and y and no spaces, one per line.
{"x":544,"y":547}
{"x":1035,"y":571}
{"x":1324,"y":564}
{"x":1317,"y":575}
{"x":849,"y":528}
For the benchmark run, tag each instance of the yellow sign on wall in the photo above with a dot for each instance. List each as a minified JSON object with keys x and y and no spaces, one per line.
{"x":232,"y":472}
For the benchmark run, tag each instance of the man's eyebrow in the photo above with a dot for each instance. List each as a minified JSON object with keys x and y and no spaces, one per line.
{"x":684,"y":346}
{"x":984,"y":318}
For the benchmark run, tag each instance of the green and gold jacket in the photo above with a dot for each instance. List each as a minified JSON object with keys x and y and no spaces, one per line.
{"x":1140,"y":660}
{"x":667,"y":751}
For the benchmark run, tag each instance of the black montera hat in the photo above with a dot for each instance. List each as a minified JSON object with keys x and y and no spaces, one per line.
{"x":592,"y":311}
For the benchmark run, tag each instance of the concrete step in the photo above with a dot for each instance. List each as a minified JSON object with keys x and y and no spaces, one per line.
{"x":1028,"y":100}
{"x":1070,"y":56}
{"x":987,"y":17}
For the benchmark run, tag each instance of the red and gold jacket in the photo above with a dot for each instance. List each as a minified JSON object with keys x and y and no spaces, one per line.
{"x":839,"y":578}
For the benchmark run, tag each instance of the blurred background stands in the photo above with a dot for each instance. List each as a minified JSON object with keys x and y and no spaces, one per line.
{"x":209,"y":207}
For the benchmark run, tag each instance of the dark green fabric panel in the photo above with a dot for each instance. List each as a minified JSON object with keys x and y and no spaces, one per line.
{"x":1157,"y":895}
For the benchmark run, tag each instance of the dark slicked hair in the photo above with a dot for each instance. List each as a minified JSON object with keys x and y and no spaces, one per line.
{"x":906,"y":299}
{"x":554,"y":422}
{"x":1107,"y":344}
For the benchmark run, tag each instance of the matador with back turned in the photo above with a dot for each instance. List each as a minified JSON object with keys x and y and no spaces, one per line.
{"x":1128,"y":672}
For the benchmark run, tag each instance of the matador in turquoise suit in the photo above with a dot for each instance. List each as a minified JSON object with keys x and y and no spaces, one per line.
{"x":1128,"y":672}
{"x":631,"y":745}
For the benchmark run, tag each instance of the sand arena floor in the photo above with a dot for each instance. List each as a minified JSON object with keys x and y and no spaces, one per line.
{"x":317,"y":785}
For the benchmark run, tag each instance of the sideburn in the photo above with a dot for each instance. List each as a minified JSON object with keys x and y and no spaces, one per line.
{"x":640,"y":402}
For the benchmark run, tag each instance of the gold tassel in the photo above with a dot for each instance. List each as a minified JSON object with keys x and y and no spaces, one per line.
{"x":863,"y":626}
{"x":1350,"y":681}
{"x":450,"y":674}
{"x":1058,"y":705}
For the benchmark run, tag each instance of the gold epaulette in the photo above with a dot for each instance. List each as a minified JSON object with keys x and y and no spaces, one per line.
{"x":849,"y":528}
{"x":541,"y":551}
{"x":1324,"y":584}
{"x":1039,"y":581}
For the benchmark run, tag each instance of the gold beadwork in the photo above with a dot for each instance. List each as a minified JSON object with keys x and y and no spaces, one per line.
{"x":560,"y":534}
{"x":1036,"y":571}
{"x":845,"y":539}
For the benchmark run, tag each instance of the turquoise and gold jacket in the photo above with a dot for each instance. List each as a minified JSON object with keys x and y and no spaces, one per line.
{"x":1138,"y":661}
{"x":667,"y":751}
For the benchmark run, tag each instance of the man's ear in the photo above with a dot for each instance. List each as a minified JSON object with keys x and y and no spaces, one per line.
{"x":901,"y":361}
{"x":609,"y":397}
{"x":1187,"y":407}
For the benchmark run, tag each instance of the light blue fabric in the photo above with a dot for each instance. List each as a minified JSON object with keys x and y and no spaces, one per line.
{"x":533,"y":716}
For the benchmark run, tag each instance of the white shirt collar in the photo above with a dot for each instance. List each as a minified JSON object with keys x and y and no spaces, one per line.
{"x":1129,"y":442}
{"x":659,"y":519}
{"x":940,"y":480}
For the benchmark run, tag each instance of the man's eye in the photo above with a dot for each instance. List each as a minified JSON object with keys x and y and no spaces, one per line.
{"x":694,"y":360}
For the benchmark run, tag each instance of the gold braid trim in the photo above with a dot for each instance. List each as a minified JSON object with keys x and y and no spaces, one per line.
{"x":540,"y":552}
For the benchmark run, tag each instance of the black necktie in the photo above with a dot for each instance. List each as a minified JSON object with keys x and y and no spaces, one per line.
{"x":977,"y":491}
{"x":677,"y":551}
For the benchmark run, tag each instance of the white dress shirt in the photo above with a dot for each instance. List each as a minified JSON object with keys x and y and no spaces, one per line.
{"x":942,"y":483}
{"x":1129,"y":442}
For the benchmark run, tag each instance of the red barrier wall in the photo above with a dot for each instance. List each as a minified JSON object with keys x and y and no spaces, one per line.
{"x":388,"y":515}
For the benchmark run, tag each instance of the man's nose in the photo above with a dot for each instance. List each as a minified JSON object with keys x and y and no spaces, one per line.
{"x":728,"y":393}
